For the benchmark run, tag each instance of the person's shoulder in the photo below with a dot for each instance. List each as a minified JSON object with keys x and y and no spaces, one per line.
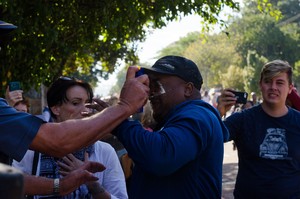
{"x":3,"y":102}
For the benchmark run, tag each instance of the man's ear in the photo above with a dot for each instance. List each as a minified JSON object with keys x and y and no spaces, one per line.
{"x":188,"y":89}
{"x":291,"y":87}
{"x":55,"y":110}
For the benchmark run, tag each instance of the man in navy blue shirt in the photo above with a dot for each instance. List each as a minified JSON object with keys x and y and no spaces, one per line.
{"x":183,"y":156}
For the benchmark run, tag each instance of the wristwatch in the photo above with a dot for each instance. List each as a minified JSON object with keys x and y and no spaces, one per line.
{"x":56,"y":186}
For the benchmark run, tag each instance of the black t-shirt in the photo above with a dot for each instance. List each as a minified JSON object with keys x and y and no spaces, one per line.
{"x":269,"y":153}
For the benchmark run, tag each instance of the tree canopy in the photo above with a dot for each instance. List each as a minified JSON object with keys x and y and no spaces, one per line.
{"x":63,"y":37}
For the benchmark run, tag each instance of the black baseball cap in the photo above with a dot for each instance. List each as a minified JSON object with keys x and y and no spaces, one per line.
{"x":179,"y":66}
{"x":6,"y":27}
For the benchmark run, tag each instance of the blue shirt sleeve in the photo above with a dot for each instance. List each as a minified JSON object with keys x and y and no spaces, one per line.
{"x":17,"y":130}
{"x":161,"y":152}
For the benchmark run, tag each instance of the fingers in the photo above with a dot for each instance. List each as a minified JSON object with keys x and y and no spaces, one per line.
{"x":64,"y":169}
{"x":227,"y":96}
{"x":74,"y":179}
{"x":63,"y":165}
{"x":67,"y":160}
{"x":228,"y":92}
{"x":135,"y":91}
{"x":86,"y":156}
{"x":82,"y":175}
{"x":131,"y":72}
{"x":71,"y":162}
{"x":93,"y":166}
{"x":63,"y":173}
{"x":71,"y":157}
{"x":101,"y":102}
{"x":91,"y":177}
{"x":13,"y":97}
{"x":99,"y":105}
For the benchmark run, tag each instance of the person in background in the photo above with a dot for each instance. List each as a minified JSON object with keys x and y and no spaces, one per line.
{"x":22,"y":131}
{"x":13,"y":97}
{"x":22,"y":106}
{"x":293,"y":99}
{"x":206,"y":97}
{"x":248,"y":104}
{"x":267,"y":138}
{"x":254,"y":99}
{"x":183,"y":156}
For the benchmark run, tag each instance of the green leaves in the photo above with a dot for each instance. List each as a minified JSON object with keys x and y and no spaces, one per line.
{"x":70,"y":36}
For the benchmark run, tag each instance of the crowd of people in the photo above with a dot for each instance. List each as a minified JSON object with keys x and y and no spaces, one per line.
{"x":176,"y":147}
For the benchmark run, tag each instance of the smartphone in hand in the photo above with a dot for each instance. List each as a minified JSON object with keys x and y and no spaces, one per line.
{"x":241,"y":97}
{"x":14,"y":86}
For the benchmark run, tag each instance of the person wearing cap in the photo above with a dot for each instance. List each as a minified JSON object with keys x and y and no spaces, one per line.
{"x":267,"y":138}
{"x":183,"y":156}
{"x":22,"y":131}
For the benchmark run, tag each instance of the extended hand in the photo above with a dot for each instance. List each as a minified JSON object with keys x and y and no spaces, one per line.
{"x":82,"y":175}
{"x":95,"y":107}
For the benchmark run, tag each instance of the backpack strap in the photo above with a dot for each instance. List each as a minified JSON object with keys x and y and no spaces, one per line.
{"x":35,"y":162}
{"x":34,"y":168}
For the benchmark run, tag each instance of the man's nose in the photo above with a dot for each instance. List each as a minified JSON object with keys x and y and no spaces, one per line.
{"x":273,"y":85}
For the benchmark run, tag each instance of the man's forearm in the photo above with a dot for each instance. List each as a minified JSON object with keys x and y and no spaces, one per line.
{"x":34,"y":185}
{"x":60,"y":139}
{"x":66,"y":137}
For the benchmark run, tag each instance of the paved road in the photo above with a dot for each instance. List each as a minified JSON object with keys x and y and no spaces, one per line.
{"x":230,"y":167}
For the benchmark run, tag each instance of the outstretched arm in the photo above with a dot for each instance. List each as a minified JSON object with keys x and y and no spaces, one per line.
{"x":60,"y":139}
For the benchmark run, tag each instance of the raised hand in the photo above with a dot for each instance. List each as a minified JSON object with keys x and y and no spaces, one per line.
{"x":96,"y":107}
{"x":12,"y":97}
{"x":135,"y":91}
{"x":79,"y":176}
{"x":225,"y":101}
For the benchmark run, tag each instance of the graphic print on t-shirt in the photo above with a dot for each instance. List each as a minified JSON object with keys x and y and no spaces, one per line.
{"x":274,"y":145}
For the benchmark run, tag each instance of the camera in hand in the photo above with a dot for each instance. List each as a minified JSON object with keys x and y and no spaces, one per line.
{"x":241,"y":97}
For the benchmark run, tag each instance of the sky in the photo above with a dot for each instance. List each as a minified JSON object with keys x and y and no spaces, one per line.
{"x":156,"y":41}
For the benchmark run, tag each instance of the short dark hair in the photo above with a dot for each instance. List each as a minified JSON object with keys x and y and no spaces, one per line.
{"x":57,"y":92}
